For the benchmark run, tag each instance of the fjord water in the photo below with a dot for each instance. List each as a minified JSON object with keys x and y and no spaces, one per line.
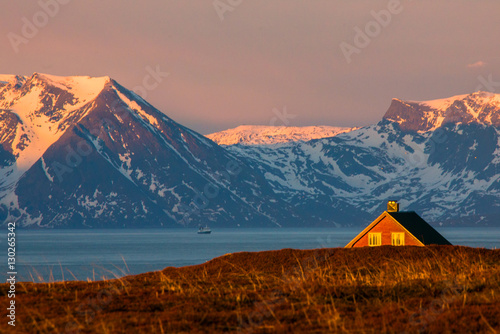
{"x":53,"y":255}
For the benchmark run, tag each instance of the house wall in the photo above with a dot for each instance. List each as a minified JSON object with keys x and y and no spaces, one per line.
{"x":386,"y":226}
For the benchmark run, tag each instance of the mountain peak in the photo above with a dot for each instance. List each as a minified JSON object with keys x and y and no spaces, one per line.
{"x":6,"y":79}
{"x":87,"y":83}
{"x":78,"y":90}
{"x":478,"y":107}
{"x":36,"y":111}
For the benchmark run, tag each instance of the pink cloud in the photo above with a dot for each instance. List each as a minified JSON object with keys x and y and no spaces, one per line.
{"x":477,"y":64}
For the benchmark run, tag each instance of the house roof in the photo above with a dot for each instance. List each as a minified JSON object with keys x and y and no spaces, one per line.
{"x":419,"y":228}
{"x":412,"y":223}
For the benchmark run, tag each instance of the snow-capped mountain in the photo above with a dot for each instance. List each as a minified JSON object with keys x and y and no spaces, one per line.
{"x":422,"y":116}
{"x":266,"y":135}
{"x":79,"y":151}
{"x":445,"y":168}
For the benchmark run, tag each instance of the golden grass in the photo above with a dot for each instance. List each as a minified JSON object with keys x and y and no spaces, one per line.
{"x":371,"y":290}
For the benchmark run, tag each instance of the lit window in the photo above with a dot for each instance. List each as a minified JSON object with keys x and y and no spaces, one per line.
{"x":374,"y":239}
{"x":398,"y":239}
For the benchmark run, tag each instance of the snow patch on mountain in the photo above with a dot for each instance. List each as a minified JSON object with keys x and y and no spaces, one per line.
{"x":139,"y":112}
{"x":44,"y":167}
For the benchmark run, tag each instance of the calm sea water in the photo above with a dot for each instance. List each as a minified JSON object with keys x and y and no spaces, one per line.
{"x":52,"y":255}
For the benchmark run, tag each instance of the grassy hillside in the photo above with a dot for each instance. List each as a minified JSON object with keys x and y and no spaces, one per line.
{"x":370,"y":290}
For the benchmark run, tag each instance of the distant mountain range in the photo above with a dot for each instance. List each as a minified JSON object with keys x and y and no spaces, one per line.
{"x":87,"y":152}
{"x":266,"y":135}
{"x":440,"y":158}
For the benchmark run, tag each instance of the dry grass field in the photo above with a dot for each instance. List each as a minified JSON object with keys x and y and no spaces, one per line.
{"x":437,"y":289}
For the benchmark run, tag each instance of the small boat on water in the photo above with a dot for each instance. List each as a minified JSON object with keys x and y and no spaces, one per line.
{"x":204,"y":230}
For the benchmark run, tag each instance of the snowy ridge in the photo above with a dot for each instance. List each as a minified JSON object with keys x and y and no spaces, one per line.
{"x":268,"y":135}
{"x":479,"y":107}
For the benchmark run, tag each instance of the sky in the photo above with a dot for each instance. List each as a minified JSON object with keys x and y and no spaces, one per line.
{"x":216,"y":64}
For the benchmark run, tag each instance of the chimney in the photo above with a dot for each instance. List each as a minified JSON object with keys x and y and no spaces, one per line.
{"x":392,"y":206}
